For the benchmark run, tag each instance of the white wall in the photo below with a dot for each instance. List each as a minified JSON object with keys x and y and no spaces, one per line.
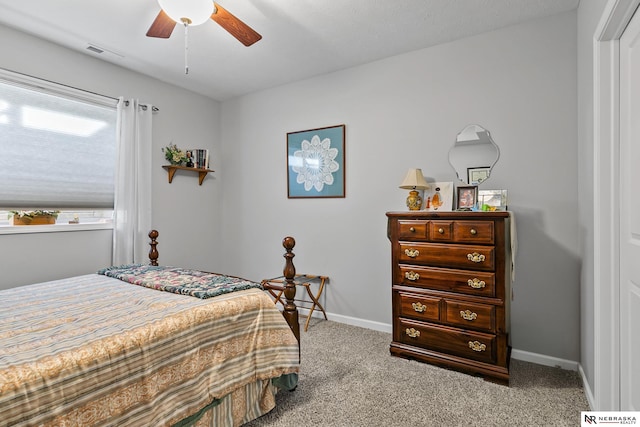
{"x":39,"y":257}
{"x":403,"y":112}
{"x":187,"y":215}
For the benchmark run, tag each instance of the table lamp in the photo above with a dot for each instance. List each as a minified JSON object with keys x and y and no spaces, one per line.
{"x":414,"y":181}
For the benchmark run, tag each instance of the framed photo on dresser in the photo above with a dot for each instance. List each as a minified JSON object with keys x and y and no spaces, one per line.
{"x":467,"y":197}
{"x":492,"y":200}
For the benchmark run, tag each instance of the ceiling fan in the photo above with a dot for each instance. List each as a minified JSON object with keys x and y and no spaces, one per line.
{"x":196,"y":12}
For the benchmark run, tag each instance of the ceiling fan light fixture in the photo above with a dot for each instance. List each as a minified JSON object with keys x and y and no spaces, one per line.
{"x":191,"y":12}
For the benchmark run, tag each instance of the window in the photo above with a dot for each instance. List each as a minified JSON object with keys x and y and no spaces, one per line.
{"x":57,"y":149}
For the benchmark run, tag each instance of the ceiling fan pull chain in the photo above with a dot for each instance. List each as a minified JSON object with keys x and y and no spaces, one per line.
{"x":186,"y":48}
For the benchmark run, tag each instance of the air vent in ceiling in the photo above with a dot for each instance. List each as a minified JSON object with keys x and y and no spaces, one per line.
{"x":102,"y":51}
{"x":94,"y":49}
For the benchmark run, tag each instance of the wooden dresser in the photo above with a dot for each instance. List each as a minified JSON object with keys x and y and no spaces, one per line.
{"x":451,"y":290}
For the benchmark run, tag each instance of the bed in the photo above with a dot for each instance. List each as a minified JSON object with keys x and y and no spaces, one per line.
{"x":138,"y":346}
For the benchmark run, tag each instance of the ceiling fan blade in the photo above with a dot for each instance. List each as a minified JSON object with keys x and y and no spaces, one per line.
{"x":162,"y":27}
{"x":238,"y":29}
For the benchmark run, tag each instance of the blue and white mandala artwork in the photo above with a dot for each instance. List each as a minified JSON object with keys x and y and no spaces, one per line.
{"x":317,"y":160}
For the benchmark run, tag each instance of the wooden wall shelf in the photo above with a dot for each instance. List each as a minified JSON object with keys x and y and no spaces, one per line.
{"x":171,"y":169}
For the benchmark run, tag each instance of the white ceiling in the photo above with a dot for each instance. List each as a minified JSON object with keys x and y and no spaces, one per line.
{"x":300,"y":38}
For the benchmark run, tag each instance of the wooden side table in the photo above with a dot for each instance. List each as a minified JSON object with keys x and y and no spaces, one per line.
{"x":276,"y":287}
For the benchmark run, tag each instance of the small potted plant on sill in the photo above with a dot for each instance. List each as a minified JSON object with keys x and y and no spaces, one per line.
{"x":35,"y":217}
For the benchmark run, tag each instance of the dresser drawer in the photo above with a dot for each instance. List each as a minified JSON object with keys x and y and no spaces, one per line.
{"x":467,"y":344}
{"x":470,"y":315}
{"x":449,"y":255}
{"x":418,"y":306}
{"x":412,"y":229}
{"x":441,"y":231}
{"x":459,"y":281}
{"x":479,"y":232}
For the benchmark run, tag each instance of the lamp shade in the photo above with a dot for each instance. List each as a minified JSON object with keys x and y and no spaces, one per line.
{"x":195,"y":11}
{"x":413,"y":180}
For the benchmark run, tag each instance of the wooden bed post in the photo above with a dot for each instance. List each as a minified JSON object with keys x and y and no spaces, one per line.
{"x":153,"y":253}
{"x":290,"y":310}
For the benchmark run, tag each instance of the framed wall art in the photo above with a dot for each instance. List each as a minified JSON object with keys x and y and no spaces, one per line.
{"x":316,"y":162}
{"x":466,"y":198}
{"x":477,"y":175}
{"x":438,"y":197}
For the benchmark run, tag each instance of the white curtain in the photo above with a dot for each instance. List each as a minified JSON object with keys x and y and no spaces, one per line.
{"x":132,"y":204}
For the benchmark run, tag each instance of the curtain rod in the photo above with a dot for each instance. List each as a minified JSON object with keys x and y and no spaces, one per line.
{"x":144,"y":107}
{"x":154,"y":108}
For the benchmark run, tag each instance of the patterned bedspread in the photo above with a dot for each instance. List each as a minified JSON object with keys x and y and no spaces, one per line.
{"x":182,"y":281}
{"x":94,"y":350}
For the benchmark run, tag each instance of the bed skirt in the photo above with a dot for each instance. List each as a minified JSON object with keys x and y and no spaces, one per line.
{"x":242,"y":405}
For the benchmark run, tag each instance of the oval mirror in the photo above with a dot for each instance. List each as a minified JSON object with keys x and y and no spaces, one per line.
{"x":473,"y":155}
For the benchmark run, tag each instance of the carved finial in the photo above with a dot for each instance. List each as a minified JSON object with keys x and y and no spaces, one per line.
{"x":288,"y":243}
{"x":153,"y":253}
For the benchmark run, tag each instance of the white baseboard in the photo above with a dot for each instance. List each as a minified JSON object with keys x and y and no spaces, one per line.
{"x":526,"y":356}
{"x":542,"y":359}
{"x":587,"y":389}
{"x":368,"y":324}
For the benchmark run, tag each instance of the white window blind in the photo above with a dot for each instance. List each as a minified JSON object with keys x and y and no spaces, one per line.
{"x":57,"y":146}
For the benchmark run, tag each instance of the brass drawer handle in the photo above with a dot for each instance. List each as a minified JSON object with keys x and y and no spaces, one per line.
{"x":419,"y":307}
{"x":476,"y":283}
{"x":411,"y":253}
{"x":468,"y":315}
{"x":476,"y":257}
{"x":441,"y":230}
{"x":477,"y":346}
{"x":412,"y":229}
{"x":413,"y":333}
{"x":411,"y":275}
{"x":473,"y":232}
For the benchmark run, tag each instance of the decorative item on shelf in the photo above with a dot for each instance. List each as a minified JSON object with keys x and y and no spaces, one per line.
{"x":198,"y":158}
{"x":35,"y":217}
{"x":174,"y":155}
{"x":414,"y":181}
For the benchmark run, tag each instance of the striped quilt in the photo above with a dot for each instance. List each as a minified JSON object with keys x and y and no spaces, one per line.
{"x":93,"y":350}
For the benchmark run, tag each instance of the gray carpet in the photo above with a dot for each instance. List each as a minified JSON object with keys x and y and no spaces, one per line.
{"x":348,"y":378}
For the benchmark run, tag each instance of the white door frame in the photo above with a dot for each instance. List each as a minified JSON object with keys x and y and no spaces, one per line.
{"x":606,"y":186}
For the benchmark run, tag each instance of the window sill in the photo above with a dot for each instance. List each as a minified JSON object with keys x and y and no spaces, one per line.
{"x":54,"y":228}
